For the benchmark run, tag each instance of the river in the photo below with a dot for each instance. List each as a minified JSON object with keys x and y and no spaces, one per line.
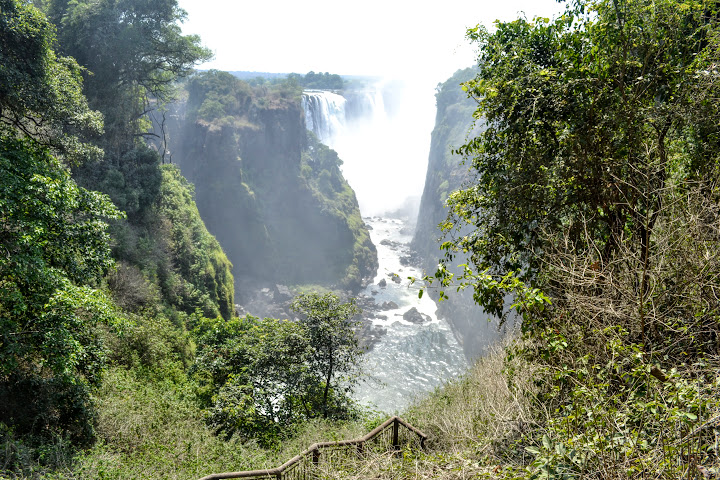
{"x":410,"y":359}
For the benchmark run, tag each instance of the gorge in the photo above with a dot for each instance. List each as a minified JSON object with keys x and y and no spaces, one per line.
{"x":282,"y":203}
{"x":416,"y":353}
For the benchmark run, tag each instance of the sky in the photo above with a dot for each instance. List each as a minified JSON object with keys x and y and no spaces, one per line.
{"x":390,"y":38}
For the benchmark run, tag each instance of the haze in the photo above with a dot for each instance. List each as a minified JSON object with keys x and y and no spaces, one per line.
{"x":375,"y":37}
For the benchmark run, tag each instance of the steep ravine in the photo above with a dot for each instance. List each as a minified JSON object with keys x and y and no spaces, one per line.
{"x":415,"y":351}
{"x":445,"y":173}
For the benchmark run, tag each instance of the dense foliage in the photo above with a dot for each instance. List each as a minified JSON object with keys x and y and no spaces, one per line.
{"x":65,"y":310}
{"x":105,"y":298}
{"x":53,"y":235}
{"x":594,"y":203}
{"x":133,"y":51}
{"x":41,"y":92}
{"x":55,"y":251}
{"x":263,"y":378}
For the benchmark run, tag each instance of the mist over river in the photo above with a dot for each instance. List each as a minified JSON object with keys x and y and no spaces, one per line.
{"x":382,"y":135}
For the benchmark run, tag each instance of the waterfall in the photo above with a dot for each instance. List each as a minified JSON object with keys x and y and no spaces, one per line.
{"x":324,"y":114}
{"x":382,"y":134}
{"x":364,"y":104}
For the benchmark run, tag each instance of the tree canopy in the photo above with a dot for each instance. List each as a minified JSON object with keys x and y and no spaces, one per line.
{"x":133,"y":51}
{"x":593,"y":212}
{"x":335,"y":355}
{"x":40,"y":92}
{"x":329,"y":81}
{"x":261,"y":378}
{"x":590,"y":118}
{"x":55,"y":249}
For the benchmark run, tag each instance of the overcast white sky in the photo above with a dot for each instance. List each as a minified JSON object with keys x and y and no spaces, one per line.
{"x":369,"y":37}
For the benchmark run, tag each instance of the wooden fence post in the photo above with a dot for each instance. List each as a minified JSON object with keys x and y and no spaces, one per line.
{"x":316,"y":457}
{"x":396,"y":435}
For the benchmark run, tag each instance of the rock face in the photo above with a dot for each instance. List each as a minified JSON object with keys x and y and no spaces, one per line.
{"x":415,"y":316}
{"x":272,"y":195}
{"x":445,"y":174}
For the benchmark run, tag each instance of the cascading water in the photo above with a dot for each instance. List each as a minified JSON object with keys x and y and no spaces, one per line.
{"x":382,"y":152}
{"x":324,"y":113}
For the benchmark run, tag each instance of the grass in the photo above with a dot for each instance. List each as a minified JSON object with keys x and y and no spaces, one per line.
{"x":151,"y":428}
{"x":485,"y":424}
{"x":470,"y":422}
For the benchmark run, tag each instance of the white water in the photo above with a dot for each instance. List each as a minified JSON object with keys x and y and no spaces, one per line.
{"x":411,"y":359}
{"x":385,"y":150}
{"x":324,"y":113}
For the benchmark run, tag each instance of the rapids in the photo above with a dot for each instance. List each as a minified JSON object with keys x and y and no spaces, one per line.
{"x":411,"y":358}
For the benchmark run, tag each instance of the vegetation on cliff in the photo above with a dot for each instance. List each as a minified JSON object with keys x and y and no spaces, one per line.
{"x":273,"y":195}
{"x":454,"y":124}
{"x":593,"y":204}
{"x":108,"y":271}
{"x":68,"y":309}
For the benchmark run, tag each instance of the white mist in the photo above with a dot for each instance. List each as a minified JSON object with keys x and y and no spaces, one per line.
{"x":385,"y":153}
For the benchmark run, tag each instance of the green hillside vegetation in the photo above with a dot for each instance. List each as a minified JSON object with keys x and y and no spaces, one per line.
{"x":593,"y":206}
{"x":108,"y":274}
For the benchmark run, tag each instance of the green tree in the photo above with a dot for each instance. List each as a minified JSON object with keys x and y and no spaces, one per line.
{"x":261,"y":378}
{"x":589,"y":116}
{"x":254,"y":374}
{"x":336,"y":353}
{"x":53,"y":236}
{"x":133,"y":50}
{"x":595,"y":188}
{"x":55,"y":250}
{"x":41,"y":93}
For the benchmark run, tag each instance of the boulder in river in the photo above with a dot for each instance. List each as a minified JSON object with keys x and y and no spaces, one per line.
{"x":415,"y":316}
{"x":281,"y":293}
{"x":382,"y":283}
{"x":389,"y":305}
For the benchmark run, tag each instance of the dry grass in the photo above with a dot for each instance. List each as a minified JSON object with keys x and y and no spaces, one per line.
{"x":469,"y":421}
{"x":488,"y":404}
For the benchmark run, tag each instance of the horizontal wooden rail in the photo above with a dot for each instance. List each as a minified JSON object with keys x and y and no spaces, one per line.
{"x":311,"y":456}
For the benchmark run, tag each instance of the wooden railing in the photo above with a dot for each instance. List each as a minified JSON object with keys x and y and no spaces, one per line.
{"x":385,"y":437}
